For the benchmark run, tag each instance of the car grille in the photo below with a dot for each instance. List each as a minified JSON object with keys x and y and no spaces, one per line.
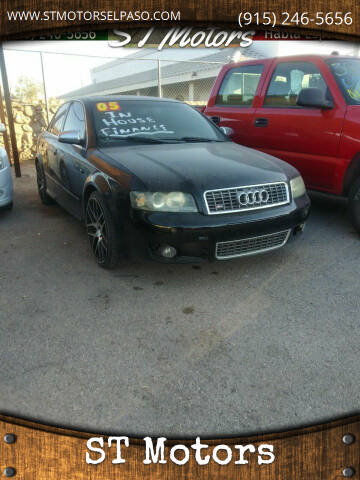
{"x":249,"y":246}
{"x":251,"y":197}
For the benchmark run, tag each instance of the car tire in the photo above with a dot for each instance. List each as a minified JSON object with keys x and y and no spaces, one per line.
{"x":41,"y":185}
{"x":102,"y":231}
{"x":354,"y":205}
{"x":7,"y":207}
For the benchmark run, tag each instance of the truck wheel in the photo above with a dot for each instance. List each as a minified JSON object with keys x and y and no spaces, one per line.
{"x":102,"y":232}
{"x":354,"y":205}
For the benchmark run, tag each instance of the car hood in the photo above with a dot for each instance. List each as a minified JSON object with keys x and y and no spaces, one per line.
{"x":191,"y":167}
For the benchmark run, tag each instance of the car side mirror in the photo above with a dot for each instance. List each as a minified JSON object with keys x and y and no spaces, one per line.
{"x":72,"y":137}
{"x":313,"y":97}
{"x":215,"y":120}
{"x":2,"y":128}
{"x":229,"y":132}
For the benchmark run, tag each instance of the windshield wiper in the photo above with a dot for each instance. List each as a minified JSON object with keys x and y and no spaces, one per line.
{"x":142,"y":139}
{"x":196,"y":139}
{"x":135,"y":138}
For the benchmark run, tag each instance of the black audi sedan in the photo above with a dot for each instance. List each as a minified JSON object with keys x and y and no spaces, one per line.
{"x":154,"y":177}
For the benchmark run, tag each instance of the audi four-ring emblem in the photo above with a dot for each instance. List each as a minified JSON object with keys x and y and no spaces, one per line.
{"x":253,"y":197}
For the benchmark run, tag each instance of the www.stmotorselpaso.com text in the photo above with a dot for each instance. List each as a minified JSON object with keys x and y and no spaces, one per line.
{"x":156,"y":451}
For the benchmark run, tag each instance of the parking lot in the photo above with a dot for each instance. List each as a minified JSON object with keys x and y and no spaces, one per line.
{"x":223,"y":348}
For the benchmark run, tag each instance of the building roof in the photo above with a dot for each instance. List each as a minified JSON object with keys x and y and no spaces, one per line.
{"x":119,"y":98}
{"x":184,"y":70}
{"x":112,"y":63}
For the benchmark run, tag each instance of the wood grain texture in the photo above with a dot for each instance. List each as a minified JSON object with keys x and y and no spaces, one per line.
{"x":193,"y":12}
{"x":47,"y":453}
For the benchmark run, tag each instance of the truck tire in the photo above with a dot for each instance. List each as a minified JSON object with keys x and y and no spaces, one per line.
{"x":354,"y":205}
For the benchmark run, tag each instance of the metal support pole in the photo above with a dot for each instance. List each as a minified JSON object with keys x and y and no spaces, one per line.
{"x":44,"y":86}
{"x":9,"y":113}
{"x":159,"y":80}
{"x":5,"y":134}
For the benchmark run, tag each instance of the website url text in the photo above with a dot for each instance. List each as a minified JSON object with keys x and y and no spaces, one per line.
{"x":92,"y":16}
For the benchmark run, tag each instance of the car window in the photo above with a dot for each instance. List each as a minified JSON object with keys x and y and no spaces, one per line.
{"x":56,"y":123}
{"x":239,"y":86}
{"x":75,"y":119}
{"x":288,"y":79}
{"x":128,"y":121}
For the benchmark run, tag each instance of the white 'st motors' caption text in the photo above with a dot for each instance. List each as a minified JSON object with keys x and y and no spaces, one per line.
{"x":178,"y":454}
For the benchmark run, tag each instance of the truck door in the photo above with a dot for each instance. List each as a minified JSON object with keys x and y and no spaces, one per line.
{"x":306,"y":137}
{"x":233,"y":104}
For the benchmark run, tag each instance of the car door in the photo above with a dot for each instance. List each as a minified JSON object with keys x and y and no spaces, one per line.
{"x":306,"y":137}
{"x":49,"y":145}
{"x":234,"y":106}
{"x":73,"y":165}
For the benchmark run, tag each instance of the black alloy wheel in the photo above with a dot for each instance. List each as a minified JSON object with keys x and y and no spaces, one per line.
{"x":102,"y":232}
{"x":41,"y":185}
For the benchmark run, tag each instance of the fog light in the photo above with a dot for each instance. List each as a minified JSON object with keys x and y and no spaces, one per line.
{"x":305,"y":212}
{"x":299,"y":229}
{"x":167,"y":251}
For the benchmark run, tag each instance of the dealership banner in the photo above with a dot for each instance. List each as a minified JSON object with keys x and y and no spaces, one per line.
{"x":32,"y":451}
{"x":23,"y":19}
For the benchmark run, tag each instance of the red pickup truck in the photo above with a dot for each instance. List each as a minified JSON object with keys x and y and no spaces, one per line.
{"x":302,"y":109}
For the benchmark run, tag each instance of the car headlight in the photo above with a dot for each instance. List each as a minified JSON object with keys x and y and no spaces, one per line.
{"x":297,"y":186}
{"x":163,"y":202}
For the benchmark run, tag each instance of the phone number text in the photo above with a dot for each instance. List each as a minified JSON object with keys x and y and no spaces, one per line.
{"x":294,"y":18}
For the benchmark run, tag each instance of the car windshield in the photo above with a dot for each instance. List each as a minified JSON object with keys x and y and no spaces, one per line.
{"x":347,"y":74}
{"x":130,"y":122}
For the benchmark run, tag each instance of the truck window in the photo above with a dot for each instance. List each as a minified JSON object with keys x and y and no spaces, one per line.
{"x":288,"y":79}
{"x":347,"y":75}
{"x":239,"y":86}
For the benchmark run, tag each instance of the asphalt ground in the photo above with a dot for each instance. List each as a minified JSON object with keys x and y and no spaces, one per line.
{"x":226,"y":348}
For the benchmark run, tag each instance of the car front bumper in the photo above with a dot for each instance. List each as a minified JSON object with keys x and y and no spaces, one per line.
{"x":6,"y":187}
{"x":196,"y":237}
